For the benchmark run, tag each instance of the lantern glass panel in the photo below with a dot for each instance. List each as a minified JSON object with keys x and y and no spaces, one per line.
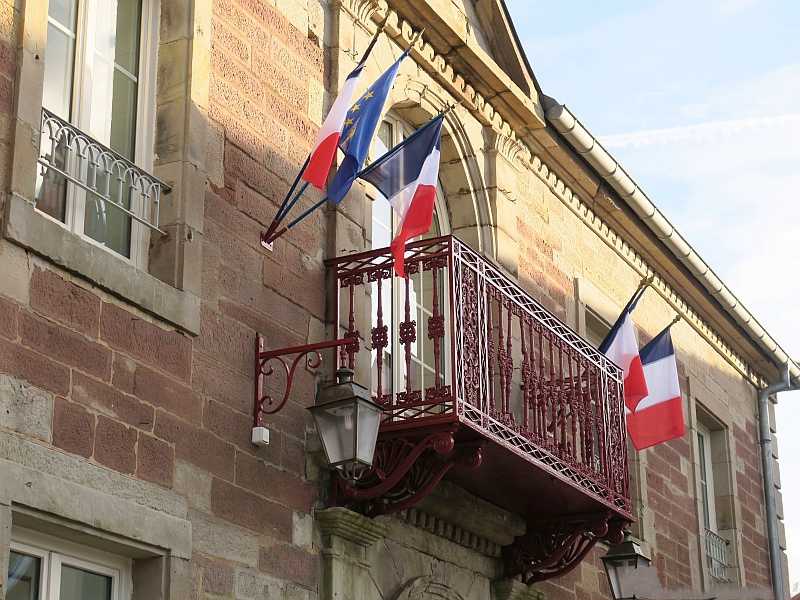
{"x":336,"y":427}
{"x":368,"y":423}
{"x":621,"y":572}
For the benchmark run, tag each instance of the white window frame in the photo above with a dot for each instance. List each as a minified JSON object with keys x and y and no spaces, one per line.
{"x":54,"y":552}
{"x":145,"y":116}
{"x":706,"y":468}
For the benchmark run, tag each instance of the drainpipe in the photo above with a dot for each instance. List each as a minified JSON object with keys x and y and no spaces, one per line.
{"x":769,"y":481}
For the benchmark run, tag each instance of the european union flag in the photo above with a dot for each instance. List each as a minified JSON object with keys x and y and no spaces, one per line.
{"x":359,"y":129}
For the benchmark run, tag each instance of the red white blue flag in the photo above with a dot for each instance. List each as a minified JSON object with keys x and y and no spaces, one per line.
{"x":622,"y":348}
{"x":658,"y":417}
{"x":407,"y":176}
{"x":327,"y":141}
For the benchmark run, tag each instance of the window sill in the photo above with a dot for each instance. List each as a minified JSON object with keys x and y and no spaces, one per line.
{"x":43,"y":236}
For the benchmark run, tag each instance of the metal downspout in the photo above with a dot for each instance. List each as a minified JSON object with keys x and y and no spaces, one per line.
{"x":769,"y":481}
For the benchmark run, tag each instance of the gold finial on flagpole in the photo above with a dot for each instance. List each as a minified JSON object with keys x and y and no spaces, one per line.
{"x":416,"y":37}
{"x":675,"y":320}
{"x":449,"y":106}
{"x":382,"y":24}
{"x":645,"y":282}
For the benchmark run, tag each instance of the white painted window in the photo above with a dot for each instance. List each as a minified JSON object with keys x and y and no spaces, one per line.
{"x":706,"y":478}
{"x":42,"y":567}
{"x":391,"y":132}
{"x":710,"y":442}
{"x":99,"y":77}
{"x":597,"y":328}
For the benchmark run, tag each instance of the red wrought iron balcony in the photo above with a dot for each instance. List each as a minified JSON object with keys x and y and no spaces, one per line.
{"x":483,"y":386}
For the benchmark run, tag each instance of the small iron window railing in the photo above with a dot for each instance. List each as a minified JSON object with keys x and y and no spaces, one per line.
{"x":68,"y":152}
{"x":717,"y":555}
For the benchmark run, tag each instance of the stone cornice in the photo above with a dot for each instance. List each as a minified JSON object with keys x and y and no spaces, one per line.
{"x":372,"y":12}
{"x":509,"y":147}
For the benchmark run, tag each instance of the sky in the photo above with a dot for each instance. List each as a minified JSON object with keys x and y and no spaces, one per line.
{"x":700,"y":102}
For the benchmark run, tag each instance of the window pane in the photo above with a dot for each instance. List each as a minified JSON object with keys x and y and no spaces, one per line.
{"x":113,"y":117}
{"x":58,"y":72}
{"x":63,"y":11}
{"x":385,"y":137}
{"x":123,"y":116}
{"x":77,"y":584}
{"x":23,"y":577}
{"x":115,"y":74}
{"x":105,"y":223}
{"x":51,"y":186}
{"x":117,"y":37}
{"x":701,"y":446}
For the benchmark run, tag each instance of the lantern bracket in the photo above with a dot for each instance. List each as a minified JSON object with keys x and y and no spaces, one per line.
{"x":264,"y":369}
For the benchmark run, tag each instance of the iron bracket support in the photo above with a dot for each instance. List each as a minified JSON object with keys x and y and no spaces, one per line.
{"x":554,"y":547}
{"x":263,"y":370}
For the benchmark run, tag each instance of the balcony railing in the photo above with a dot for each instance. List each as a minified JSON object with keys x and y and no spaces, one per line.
{"x":496,"y":363}
{"x":67,"y":152}
{"x":717,"y":556}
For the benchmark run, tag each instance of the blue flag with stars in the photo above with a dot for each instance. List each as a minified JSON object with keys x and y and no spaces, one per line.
{"x":359,"y":129}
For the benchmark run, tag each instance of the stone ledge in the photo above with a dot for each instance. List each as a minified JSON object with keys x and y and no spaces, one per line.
{"x":79,"y":513}
{"x":45,"y":237}
{"x":44,"y":462}
{"x":454,"y":533}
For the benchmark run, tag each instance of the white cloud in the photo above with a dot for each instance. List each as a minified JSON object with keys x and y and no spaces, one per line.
{"x":736,"y":6}
{"x":695,"y":133}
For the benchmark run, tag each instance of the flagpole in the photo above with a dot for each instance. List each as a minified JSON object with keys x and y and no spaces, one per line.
{"x":296,"y":221}
{"x":278,"y":234}
{"x":269,"y":235}
{"x":646,"y":282}
{"x":289,"y":206}
{"x":278,"y":217}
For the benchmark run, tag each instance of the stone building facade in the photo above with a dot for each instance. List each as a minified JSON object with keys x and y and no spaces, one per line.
{"x":127,"y":354}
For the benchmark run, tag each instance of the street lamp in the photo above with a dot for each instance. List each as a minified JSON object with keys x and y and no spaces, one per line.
{"x":347,"y":422}
{"x":620,"y":564}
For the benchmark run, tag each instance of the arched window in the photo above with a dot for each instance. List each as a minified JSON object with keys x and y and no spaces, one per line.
{"x":384,"y":223}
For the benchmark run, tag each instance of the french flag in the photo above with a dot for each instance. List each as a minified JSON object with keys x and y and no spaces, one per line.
{"x":327,"y":141}
{"x":659,"y":416}
{"x":622,"y":348}
{"x":407,"y":176}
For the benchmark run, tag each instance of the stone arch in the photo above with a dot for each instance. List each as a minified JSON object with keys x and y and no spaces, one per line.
{"x":460,"y":175}
{"x":427,"y":588}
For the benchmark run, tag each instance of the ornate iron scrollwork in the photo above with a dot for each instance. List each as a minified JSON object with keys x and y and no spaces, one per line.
{"x":553,"y":548}
{"x":405,"y":470}
{"x":264,"y":369}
